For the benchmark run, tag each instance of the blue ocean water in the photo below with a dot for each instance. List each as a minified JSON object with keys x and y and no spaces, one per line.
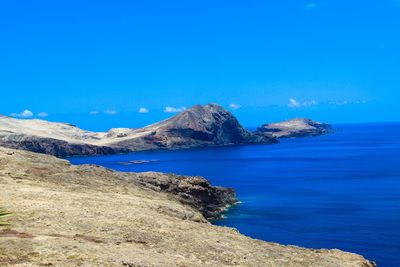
{"x":336,"y":191}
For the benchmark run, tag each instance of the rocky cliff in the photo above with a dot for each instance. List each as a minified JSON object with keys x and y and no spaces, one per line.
{"x":55,"y":147}
{"x":299,"y":127}
{"x":196,"y":192}
{"x":67,"y":215}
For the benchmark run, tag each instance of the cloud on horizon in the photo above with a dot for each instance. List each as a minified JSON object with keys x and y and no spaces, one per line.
{"x":345,"y":102}
{"x":235,"y":106}
{"x":110,"y":112}
{"x":94,"y":112}
{"x":143,"y":110}
{"x":43,"y":114}
{"x":174,"y":109}
{"x":293,"y":103}
{"x":24,"y":114}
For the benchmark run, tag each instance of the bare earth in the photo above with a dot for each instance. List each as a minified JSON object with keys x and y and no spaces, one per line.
{"x":88,"y":216}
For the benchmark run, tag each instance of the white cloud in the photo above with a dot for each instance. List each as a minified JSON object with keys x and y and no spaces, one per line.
{"x":293,"y":103}
{"x":24,"y":114}
{"x":143,"y":110}
{"x":110,"y":112}
{"x":234,"y":106}
{"x":43,"y":114}
{"x":310,"y":5}
{"x":94,"y":112}
{"x":173,"y":109}
{"x":339,"y":103}
{"x":346,"y":102}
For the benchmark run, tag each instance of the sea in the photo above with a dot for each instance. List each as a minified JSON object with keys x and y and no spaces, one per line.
{"x":340,"y":190}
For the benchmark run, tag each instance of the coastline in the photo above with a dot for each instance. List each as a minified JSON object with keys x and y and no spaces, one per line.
{"x":104,"y":212}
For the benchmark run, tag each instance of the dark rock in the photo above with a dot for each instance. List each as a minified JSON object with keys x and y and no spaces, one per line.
{"x":196,"y":192}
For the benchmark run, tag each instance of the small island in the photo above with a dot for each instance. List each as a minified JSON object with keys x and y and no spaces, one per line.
{"x":299,"y":127}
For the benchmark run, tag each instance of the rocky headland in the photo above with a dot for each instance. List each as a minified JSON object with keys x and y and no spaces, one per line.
{"x":66,"y":215}
{"x":299,"y":127}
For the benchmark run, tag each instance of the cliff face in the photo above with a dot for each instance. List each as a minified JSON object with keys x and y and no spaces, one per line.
{"x":67,"y":215}
{"x":55,"y":147}
{"x":208,"y":125}
{"x":58,"y":139}
{"x":299,"y":127}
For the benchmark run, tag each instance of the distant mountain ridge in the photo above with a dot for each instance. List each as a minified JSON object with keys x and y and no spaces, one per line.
{"x":199,"y":126}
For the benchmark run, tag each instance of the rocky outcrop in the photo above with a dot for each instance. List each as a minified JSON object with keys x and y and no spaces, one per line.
{"x":299,"y":127}
{"x":200,"y":126}
{"x":67,"y":215}
{"x":196,"y":192}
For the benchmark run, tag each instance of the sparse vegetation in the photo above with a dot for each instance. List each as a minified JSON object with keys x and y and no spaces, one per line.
{"x":4,"y":214}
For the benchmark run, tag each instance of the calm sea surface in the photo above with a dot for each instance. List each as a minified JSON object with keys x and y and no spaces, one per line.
{"x":335,"y":191}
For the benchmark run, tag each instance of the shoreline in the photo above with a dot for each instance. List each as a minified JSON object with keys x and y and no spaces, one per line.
{"x":129,"y":221}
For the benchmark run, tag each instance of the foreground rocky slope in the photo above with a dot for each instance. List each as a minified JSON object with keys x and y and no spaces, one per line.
{"x":298,"y":127}
{"x":86,"y":215}
{"x":208,"y":125}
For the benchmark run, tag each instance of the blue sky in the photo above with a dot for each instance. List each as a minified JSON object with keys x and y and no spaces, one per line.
{"x":97,"y":63}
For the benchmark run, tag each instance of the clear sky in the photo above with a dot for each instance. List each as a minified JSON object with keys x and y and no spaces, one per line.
{"x":97,"y":63}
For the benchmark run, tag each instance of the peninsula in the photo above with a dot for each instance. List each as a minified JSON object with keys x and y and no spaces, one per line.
{"x":199,"y":126}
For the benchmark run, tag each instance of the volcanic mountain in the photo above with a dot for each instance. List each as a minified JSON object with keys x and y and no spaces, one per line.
{"x":209,"y":125}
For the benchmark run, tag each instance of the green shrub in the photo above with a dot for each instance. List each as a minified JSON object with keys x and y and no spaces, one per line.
{"x":4,"y":214}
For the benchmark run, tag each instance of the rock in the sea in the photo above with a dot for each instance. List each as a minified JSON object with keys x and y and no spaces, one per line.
{"x":196,"y":191}
{"x":298,"y":127}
